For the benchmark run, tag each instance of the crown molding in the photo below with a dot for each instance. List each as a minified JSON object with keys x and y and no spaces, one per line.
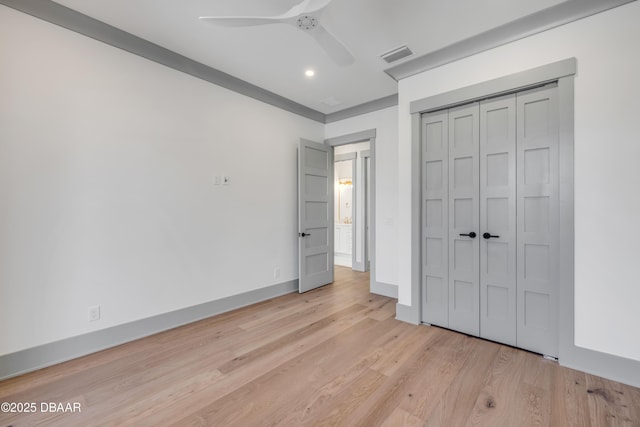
{"x":546,"y":19}
{"x":80,"y":23}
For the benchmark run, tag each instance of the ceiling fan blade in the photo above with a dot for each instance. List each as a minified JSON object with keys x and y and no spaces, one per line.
{"x":332,"y":46}
{"x":304,"y":7}
{"x":241,"y":21}
{"x":310,"y":6}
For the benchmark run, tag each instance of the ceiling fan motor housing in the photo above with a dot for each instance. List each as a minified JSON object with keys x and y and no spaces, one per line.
{"x":306,"y":22}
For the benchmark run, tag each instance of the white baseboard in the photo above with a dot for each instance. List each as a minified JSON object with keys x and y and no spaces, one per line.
{"x":384,"y":289}
{"x":407,"y":313}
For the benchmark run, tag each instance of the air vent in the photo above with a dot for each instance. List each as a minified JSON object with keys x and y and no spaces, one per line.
{"x":397,"y":53}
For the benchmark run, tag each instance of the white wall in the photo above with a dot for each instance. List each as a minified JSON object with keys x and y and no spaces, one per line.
{"x":386,"y":169}
{"x":106,"y":195}
{"x":607,"y":151}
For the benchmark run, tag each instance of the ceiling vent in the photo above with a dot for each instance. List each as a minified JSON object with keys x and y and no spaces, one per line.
{"x":397,"y":53}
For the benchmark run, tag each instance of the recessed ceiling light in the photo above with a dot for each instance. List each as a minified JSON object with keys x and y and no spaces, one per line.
{"x":309,"y":73}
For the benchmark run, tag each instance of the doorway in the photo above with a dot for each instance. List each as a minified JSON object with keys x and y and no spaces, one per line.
{"x":351,"y":205}
{"x":344,"y":208}
{"x":316,"y":210}
{"x":361,"y":145}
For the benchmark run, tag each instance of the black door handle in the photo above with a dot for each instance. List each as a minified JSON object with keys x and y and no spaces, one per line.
{"x":472,"y":234}
{"x":304,"y":234}
{"x":488,"y":236}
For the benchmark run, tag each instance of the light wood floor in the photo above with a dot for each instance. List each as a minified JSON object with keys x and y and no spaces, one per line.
{"x":333,"y":356}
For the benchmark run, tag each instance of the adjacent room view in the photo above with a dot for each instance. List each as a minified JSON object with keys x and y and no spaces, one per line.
{"x":319,"y":213}
{"x":351,"y":206}
{"x":344,"y":206}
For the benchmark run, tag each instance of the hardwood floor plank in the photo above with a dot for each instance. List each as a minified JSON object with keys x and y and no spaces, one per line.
{"x":400,"y":348}
{"x":401,"y":418}
{"x":245,"y":406}
{"x":334,"y":356}
{"x":430,"y":388}
{"x":609,"y":403}
{"x":500,"y":392}
{"x":569,"y":401}
{"x":298,"y":334}
{"x":405,"y":382}
{"x":457,"y":402}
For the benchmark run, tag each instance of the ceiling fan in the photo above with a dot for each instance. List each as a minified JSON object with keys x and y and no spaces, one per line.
{"x":305,"y":16}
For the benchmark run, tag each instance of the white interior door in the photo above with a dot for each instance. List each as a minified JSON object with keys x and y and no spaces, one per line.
{"x":538,"y":222}
{"x":315,"y":215}
{"x":498,"y":219}
{"x":464,"y":255}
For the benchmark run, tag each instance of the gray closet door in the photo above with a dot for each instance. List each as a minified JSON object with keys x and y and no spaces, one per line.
{"x":435,"y":227}
{"x":498,"y":219}
{"x":464,"y":256}
{"x":538,"y":222}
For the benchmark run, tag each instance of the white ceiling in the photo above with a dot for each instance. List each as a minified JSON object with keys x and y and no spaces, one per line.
{"x":275,"y":57}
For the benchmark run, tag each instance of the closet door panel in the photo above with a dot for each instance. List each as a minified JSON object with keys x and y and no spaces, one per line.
{"x":538,"y":222}
{"x":435,"y":224}
{"x":498,"y":218}
{"x":464,"y":298}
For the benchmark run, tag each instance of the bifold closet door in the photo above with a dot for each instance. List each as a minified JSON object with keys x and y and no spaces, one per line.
{"x":464,"y":239}
{"x":497,"y":236}
{"x":538,"y":221}
{"x":434,"y":148}
{"x":490,"y":222}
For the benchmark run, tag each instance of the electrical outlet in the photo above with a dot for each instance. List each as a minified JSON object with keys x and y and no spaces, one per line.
{"x":94,"y":313}
{"x":226,"y":180}
{"x":217,"y":180}
{"x":276,"y":273}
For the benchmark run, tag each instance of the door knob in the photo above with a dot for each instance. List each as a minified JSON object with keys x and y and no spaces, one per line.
{"x":304,"y":234}
{"x":488,"y":236}
{"x":472,"y":234}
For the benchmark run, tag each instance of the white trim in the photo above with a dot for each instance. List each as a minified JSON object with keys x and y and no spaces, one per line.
{"x":384,"y":289}
{"x":406,"y":313}
{"x":496,"y":87}
{"x":367,"y":107}
{"x":351,"y":138}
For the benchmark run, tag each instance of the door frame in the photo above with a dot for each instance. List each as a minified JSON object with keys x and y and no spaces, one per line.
{"x":352,"y":138}
{"x":366,"y":189}
{"x":563,"y":73}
